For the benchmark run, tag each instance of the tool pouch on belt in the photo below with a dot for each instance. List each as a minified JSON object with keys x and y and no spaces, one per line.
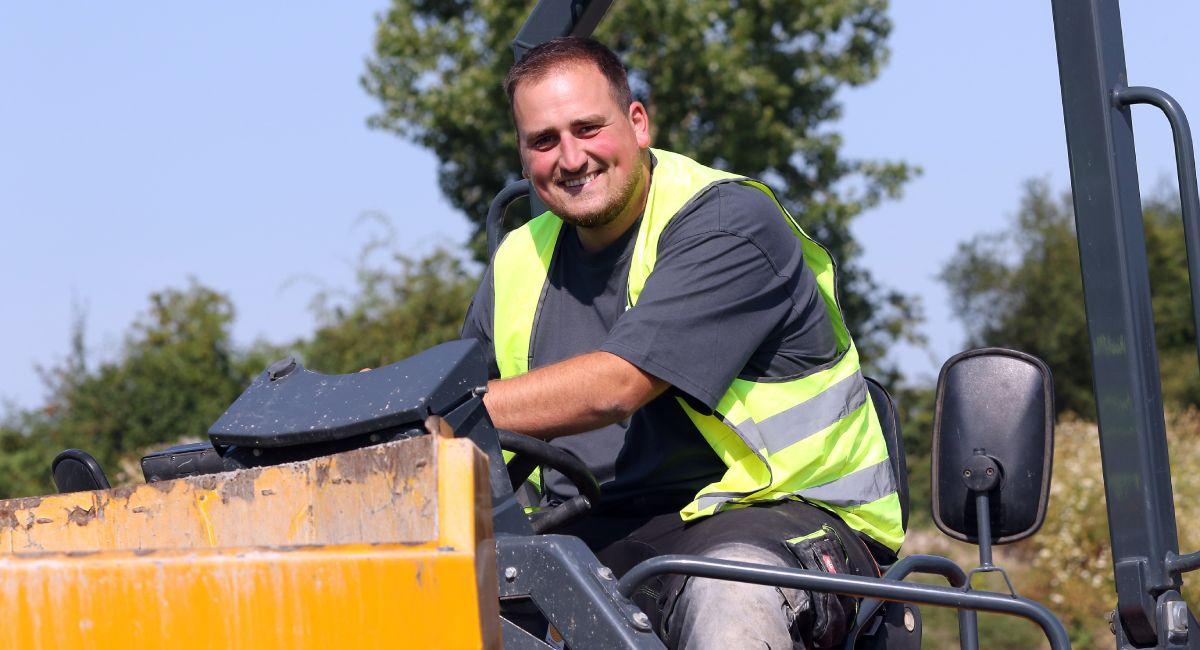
{"x":832,"y":613}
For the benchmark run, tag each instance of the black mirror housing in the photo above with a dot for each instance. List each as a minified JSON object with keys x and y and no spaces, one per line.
{"x":993,"y":432}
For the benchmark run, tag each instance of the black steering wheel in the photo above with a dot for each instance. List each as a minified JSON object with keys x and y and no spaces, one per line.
{"x":530,"y":453}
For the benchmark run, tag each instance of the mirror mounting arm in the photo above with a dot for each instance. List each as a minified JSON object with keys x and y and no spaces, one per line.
{"x":984,"y":518}
{"x":981,"y":474}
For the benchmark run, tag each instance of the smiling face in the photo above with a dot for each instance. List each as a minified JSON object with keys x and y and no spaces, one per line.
{"x":582,"y":152}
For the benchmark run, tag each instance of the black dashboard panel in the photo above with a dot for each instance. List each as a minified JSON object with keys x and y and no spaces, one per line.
{"x":288,"y":405}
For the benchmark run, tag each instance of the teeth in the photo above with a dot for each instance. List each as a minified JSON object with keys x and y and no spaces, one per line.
{"x":580,"y":181}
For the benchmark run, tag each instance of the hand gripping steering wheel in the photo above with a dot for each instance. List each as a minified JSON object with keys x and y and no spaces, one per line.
{"x":531,"y":453}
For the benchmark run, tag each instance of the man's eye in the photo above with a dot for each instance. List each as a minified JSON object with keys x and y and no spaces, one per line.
{"x":542,"y":143}
{"x":589,"y":129}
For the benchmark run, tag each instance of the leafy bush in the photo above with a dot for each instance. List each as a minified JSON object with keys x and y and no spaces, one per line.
{"x":176,"y":372}
{"x":1070,"y":559}
{"x":400,"y":306}
{"x":1068,"y":564}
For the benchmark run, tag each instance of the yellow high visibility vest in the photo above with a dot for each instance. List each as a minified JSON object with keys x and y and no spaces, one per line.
{"x":815,"y":437}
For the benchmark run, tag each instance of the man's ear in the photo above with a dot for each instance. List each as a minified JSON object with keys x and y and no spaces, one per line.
{"x":521,"y":159}
{"x":640,"y":119}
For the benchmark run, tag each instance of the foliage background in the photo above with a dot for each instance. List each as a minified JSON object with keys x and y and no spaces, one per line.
{"x":767,"y":109}
{"x":750,"y":88}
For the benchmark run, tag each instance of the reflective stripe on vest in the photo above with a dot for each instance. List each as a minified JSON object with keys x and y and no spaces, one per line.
{"x":815,"y":437}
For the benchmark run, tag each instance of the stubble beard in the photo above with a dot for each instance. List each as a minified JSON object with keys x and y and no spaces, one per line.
{"x":611,"y":209}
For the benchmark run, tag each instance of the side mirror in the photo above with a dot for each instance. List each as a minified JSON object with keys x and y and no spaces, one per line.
{"x":993,"y":434}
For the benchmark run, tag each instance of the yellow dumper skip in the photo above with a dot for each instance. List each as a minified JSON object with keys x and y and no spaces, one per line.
{"x":381,"y":547}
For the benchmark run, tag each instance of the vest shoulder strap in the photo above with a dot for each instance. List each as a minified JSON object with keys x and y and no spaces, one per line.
{"x":676,"y":180}
{"x":519,"y":273}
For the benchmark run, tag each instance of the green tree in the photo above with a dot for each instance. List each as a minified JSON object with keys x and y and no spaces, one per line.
{"x":1022,"y":288}
{"x":400,"y":307}
{"x":176,"y":373}
{"x":748,"y":86}
{"x":26,"y":448}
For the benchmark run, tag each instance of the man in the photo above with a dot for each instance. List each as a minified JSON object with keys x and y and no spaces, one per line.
{"x":671,"y":325}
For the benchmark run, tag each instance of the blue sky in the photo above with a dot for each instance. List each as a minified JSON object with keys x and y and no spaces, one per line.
{"x":142,"y":144}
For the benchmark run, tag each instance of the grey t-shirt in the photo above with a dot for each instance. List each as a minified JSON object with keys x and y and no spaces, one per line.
{"x":730,"y":296}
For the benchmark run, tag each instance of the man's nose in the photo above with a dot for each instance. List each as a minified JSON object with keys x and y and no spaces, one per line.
{"x":572,"y":157}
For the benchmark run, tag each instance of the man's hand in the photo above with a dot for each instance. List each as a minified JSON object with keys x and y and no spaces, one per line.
{"x":580,"y":394}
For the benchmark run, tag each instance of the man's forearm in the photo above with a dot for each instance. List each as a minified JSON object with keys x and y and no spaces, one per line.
{"x":580,"y":394}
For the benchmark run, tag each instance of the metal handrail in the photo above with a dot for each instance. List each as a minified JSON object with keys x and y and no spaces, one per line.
{"x":1189,"y":204}
{"x":1177,"y":563}
{"x":862,"y":587}
{"x":968,"y":628}
{"x":1185,"y":168}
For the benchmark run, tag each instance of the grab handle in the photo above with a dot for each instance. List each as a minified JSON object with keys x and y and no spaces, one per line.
{"x":1185,"y":165}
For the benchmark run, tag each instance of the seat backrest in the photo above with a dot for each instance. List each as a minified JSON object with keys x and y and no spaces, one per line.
{"x":889,"y":419}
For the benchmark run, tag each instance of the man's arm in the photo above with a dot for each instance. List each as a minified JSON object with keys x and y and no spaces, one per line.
{"x":580,"y":394}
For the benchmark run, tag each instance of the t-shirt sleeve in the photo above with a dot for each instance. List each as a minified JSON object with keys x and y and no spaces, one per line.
{"x":717,"y":292}
{"x":478,"y":323}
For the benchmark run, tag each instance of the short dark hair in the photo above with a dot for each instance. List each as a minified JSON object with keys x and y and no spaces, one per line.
{"x":566,"y":51}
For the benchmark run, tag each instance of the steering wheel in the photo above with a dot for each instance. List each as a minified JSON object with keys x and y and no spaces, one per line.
{"x":530,"y":453}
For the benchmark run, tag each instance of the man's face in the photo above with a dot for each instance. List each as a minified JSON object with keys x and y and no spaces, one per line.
{"x":580,"y":150}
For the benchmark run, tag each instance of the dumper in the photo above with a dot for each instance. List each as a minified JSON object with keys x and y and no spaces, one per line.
{"x":379,"y":509}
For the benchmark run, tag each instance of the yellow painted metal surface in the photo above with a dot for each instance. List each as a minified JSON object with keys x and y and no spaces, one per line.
{"x":241,"y":569}
{"x":385,"y":493}
{"x":330,"y":597}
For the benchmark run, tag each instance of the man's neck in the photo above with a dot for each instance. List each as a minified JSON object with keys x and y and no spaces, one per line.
{"x":599,"y":238}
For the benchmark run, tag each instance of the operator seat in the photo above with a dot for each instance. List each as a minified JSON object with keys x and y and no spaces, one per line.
{"x":900,"y":626}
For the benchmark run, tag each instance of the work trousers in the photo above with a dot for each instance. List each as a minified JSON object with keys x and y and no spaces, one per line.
{"x":702,"y":613}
